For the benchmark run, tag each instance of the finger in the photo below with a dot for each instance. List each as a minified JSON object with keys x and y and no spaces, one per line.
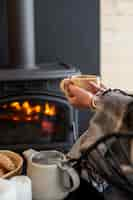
{"x":72,"y":90}
{"x":67,"y":87}
{"x":95,"y":87}
{"x":76,"y":90}
{"x":79,"y":92}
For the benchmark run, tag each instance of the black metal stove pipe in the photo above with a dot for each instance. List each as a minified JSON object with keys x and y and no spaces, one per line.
{"x":21,"y":41}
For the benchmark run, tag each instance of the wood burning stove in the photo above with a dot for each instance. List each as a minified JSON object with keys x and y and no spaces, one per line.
{"x":33,"y":111}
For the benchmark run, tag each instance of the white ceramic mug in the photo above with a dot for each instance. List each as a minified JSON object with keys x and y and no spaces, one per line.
{"x":23,"y":187}
{"x":7,"y":190}
{"x":50,"y":181}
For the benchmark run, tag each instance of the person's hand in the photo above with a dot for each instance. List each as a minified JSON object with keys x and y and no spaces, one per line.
{"x":94,"y":88}
{"x":79,"y":97}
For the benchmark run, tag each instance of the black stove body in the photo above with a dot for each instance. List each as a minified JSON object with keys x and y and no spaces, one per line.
{"x":33,"y":111}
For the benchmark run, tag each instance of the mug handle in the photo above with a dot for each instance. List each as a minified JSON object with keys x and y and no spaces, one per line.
{"x":71,"y":174}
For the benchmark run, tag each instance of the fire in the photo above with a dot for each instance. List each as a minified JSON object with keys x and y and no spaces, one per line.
{"x":50,"y":110}
{"x":26,"y":106}
{"x":15,"y":105}
{"x":29,"y":112}
{"x":37,"y":109}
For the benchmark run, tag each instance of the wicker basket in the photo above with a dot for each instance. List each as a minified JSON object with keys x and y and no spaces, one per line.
{"x":18,"y":161}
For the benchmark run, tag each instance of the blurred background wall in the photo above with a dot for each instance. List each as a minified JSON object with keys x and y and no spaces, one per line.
{"x":117,"y":43}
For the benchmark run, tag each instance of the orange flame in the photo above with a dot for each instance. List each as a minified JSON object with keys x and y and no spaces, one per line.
{"x":29,"y":112}
{"x":50,"y":110}
{"x":26,"y":106}
{"x":37,"y":109}
{"x":15,"y":105}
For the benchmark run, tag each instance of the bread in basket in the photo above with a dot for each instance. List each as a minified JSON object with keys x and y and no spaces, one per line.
{"x":17,"y":161}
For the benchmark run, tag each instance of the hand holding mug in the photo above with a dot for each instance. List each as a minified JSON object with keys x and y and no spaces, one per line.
{"x":80,"y":90}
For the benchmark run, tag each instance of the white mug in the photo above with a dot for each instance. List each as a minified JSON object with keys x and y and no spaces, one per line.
{"x":23,"y":187}
{"x":7,"y":190}
{"x":50,"y":181}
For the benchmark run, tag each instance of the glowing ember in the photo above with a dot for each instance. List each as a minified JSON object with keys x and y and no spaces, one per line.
{"x":36,"y":117}
{"x":15,"y":118}
{"x":28,"y":118}
{"x":28,"y":112}
{"x":47,"y":126}
{"x":4,"y":106}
